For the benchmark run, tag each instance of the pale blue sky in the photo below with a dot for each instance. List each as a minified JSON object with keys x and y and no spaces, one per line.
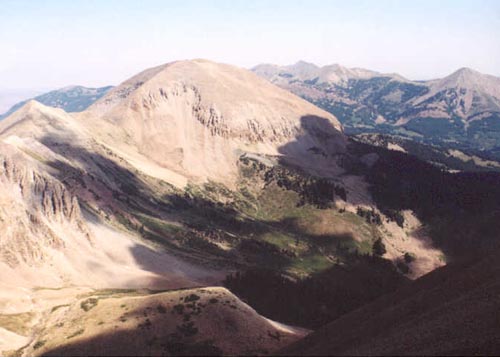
{"x":53,"y":43}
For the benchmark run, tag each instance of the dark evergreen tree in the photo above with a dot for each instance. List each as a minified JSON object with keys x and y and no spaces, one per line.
{"x":379,"y":247}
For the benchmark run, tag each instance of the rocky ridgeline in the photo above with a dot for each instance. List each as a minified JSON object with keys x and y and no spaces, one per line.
{"x":212,"y":118}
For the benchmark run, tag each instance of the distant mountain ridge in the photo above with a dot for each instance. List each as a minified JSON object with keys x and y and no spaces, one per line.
{"x":71,"y":99}
{"x":460,"y":111}
{"x":310,"y":72}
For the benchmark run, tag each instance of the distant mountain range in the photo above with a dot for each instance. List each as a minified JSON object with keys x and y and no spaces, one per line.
{"x":461,"y":110}
{"x":71,"y":99}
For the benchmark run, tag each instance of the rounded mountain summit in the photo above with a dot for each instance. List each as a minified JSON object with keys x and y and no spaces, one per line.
{"x":197,"y":117}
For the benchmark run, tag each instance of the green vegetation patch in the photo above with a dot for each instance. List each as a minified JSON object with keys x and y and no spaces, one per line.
{"x":310,"y":264}
{"x":285,"y":241}
{"x":159,"y":225}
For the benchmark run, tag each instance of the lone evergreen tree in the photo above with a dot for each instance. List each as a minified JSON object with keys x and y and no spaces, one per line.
{"x":378,"y":247}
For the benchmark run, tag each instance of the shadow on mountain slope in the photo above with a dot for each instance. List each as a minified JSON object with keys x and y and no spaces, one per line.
{"x":112,"y":344}
{"x":460,"y":210}
{"x":317,"y":148}
{"x":321,"y":297}
{"x":196,"y":228}
{"x":450,"y":311}
{"x":186,"y":223}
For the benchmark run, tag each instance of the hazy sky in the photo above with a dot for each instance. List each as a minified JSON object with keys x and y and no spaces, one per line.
{"x":53,"y":43}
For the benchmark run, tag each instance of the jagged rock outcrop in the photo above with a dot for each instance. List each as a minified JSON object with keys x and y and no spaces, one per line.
{"x":35,"y":206}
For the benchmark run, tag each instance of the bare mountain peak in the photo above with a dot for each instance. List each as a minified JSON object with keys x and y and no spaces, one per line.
{"x":191,"y":115}
{"x":304,"y":65}
{"x":225,"y":88}
{"x":464,"y":75}
{"x":32,"y":106}
{"x":335,"y":67}
{"x":466,"y":71}
{"x":301,"y":69}
{"x":469,"y":79}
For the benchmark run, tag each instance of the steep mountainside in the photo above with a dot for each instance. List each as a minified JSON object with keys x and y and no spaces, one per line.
{"x":48,"y":240}
{"x":460,"y":111}
{"x":71,"y":99}
{"x":451,"y":311}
